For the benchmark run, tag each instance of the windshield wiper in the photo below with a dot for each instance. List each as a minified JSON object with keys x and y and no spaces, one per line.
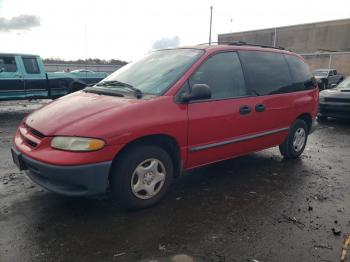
{"x":138,"y":92}
{"x":99,"y":92}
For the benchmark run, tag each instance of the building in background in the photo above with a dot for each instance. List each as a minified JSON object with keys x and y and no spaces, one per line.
{"x":322,"y":44}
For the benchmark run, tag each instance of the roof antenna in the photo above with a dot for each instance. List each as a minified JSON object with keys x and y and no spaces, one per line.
{"x":211,"y":22}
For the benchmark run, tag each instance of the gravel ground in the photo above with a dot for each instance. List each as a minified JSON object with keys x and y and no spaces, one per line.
{"x":258,"y":207}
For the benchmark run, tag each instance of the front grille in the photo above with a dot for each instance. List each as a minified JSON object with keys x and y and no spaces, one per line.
{"x":29,"y":142}
{"x":34,"y":132}
{"x":337,"y":100}
{"x":37,"y":133}
{"x":31,"y":136}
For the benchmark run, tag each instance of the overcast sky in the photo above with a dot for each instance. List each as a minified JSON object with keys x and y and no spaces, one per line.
{"x":126,"y":29}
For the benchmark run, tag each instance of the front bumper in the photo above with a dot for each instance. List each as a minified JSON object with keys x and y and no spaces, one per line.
{"x":335,"y":109}
{"x":78,"y":180}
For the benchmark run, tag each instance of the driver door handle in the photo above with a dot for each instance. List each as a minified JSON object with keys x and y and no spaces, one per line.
{"x":260,"y":108}
{"x":244,"y":110}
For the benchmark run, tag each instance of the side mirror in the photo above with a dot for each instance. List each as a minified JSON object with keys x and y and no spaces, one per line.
{"x":333,"y":85}
{"x":1,"y":70}
{"x":198,"y":92}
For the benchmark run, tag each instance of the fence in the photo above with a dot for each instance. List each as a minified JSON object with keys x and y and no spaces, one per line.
{"x":336,"y":60}
{"x":97,"y":68}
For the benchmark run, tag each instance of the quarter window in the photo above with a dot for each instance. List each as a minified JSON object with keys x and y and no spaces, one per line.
{"x":267,"y":72}
{"x":8,"y":64}
{"x":301,"y":74}
{"x":223,"y":74}
{"x":31,"y":65}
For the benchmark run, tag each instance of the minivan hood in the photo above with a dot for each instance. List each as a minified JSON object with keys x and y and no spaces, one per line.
{"x":80,"y":109}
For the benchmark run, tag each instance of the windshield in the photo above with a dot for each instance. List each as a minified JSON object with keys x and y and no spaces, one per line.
{"x":320,"y":73}
{"x":157,"y":71}
{"x":344,"y":84}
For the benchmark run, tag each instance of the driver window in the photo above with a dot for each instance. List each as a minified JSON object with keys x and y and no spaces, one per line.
{"x":223,"y":74}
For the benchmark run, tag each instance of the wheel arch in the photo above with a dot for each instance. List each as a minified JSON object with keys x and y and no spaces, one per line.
{"x":307,"y":118}
{"x":166,"y":142}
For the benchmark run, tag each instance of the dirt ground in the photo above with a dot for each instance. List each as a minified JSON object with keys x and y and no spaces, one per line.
{"x":258,"y":207}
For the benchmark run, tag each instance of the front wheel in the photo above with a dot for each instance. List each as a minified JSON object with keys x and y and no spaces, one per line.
{"x":295,"y":143}
{"x":141,"y":176}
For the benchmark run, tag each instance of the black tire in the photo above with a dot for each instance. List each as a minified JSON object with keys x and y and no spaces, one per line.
{"x":287,"y":149}
{"x":123,"y":172}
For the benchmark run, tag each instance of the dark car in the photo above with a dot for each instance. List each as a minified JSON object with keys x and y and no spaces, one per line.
{"x":336,"y":102}
{"x":327,"y":78}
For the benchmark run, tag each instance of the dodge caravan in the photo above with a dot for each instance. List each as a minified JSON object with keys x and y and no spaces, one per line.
{"x":172,"y":110}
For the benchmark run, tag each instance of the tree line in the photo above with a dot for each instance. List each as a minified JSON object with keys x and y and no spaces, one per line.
{"x":89,"y":61}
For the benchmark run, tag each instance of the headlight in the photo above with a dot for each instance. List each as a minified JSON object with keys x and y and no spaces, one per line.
{"x":321,"y":99}
{"x":77,"y":143}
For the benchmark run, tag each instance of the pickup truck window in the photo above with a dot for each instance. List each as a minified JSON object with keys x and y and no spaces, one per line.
{"x":321,"y":73}
{"x":8,"y":64}
{"x":31,"y":65}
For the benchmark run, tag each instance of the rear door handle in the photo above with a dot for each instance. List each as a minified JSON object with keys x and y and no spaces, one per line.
{"x":260,"y":108}
{"x":244,"y":110}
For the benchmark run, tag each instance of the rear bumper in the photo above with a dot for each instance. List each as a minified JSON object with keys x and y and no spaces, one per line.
{"x":79,"y":180}
{"x":336,"y":110}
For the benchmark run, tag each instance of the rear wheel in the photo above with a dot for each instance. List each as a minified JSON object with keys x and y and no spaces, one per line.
{"x":141,"y":176}
{"x":295,"y":143}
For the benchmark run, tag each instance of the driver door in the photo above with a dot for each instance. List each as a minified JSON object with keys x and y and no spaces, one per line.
{"x":214,"y":123}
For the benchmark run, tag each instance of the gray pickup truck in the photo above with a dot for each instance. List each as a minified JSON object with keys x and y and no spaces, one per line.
{"x":23,"y":76}
{"x":327,"y":78}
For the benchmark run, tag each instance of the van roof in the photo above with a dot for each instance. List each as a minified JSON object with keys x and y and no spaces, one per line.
{"x":238,"y":46}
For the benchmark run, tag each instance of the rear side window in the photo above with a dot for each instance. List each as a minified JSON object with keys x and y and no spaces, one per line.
{"x":266,"y":72}
{"x":301,"y":74}
{"x":31,"y":65}
{"x":8,"y":64}
{"x":223,"y":74}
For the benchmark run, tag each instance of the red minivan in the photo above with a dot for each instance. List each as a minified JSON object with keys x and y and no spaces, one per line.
{"x":172,"y":110}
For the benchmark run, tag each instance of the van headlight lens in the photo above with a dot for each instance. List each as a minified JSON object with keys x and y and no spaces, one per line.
{"x":77,"y":143}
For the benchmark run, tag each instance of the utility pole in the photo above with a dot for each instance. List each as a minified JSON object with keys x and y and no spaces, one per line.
{"x":211,"y":21}
{"x":275,"y":37}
